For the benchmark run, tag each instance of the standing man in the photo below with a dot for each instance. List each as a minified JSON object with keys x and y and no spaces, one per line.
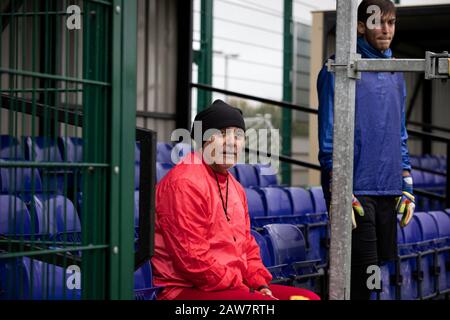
{"x":382,"y":184}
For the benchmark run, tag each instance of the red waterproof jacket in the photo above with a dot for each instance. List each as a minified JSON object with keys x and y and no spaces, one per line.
{"x":195,"y":245}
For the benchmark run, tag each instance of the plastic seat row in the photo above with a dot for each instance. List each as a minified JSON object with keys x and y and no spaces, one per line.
{"x":422,"y":269}
{"x":438,"y":163}
{"x":26,"y":279}
{"x":305,"y":209}
{"x":283,"y":252}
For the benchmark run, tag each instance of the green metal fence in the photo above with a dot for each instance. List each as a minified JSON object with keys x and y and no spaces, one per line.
{"x":66,"y":213}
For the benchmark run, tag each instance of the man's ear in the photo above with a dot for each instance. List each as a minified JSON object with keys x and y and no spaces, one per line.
{"x":361,"y":28}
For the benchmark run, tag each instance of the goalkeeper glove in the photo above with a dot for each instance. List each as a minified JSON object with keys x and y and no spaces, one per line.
{"x":406,"y":203}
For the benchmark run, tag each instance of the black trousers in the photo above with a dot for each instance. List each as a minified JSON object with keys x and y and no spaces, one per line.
{"x":374,"y":240}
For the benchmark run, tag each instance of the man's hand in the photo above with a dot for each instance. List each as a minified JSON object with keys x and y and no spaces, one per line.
{"x":358,"y":208}
{"x":267,"y":292}
{"x":406,"y":203}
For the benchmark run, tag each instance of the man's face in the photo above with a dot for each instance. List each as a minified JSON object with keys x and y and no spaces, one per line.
{"x":224,"y":148}
{"x":379,"y":36}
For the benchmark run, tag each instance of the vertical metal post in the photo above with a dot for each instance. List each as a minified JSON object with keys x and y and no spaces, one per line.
{"x":286,"y":132}
{"x":342,"y":180}
{"x":205,"y":64}
{"x":122,"y":139}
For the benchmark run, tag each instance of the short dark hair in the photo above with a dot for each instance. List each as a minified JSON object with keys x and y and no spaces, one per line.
{"x":386,"y":6}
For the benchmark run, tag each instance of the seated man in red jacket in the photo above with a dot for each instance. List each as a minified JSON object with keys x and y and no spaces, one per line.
{"x":203,"y":245}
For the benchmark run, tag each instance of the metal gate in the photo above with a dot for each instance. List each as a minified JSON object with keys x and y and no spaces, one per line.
{"x":68,"y":104}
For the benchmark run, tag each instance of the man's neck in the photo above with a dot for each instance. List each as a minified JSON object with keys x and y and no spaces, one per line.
{"x":218,"y":169}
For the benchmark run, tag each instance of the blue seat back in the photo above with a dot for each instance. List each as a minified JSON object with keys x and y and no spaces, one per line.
{"x":266,"y":175}
{"x":318,"y":199}
{"x":264,"y":250}
{"x":277,"y":202}
{"x":15,"y":218}
{"x":255,"y":203}
{"x":162,"y":169}
{"x":286,"y":243}
{"x":418,"y":178}
{"x":143,"y":276}
{"x":247,"y":175}
{"x":232,"y":170}
{"x":412,"y":233}
{"x":301,"y":201}
{"x":442,"y":220}
{"x":55,"y":214}
{"x":163,"y":152}
{"x":10,"y":148}
{"x":19,"y":180}
{"x":72,"y":149}
{"x":427,"y":225}
{"x":42,"y":149}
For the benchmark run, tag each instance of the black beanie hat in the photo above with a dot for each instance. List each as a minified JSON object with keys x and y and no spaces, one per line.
{"x":219,"y":115}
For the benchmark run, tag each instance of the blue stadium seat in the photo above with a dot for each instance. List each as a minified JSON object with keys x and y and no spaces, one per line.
{"x":57,"y":217}
{"x":163,"y":152}
{"x":278,"y":204}
{"x":318,"y":199}
{"x":137,"y":152}
{"x":19,"y":180}
{"x":418,"y":178}
{"x":143,"y":283}
{"x":443,"y":163}
{"x":442,"y":220}
{"x":45,"y":149}
{"x":232,"y":170}
{"x":162,"y":169}
{"x":29,"y":279}
{"x":429,"y":234}
{"x":429,"y":162}
{"x":42,"y":149}
{"x":414,"y":161}
{"x":255,"y":204}
{"x":302,"y":206}
{"x":247,"y":175}
{"x":408,"y":265}
{"x":264,"y":250}
{"x":10,"y":148}
{"x":266,"y":175}
{"x":428,"y":180}
{"x":71,"y":149}
{"x":15,"y":218}
{"x":287,"y":246}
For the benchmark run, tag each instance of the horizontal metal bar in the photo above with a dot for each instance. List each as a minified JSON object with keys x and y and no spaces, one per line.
{"x":426,"y":135}
{"x":438,"y":173}
{"x":39,"y":242}
{"x":286,"y":159}
{"x":30,"y":164}
{"x":37,"y":13}
{"x":156,"y":115}
{"x":30,"y":107}
{"x":431,"y":195}
{"x":53,"y":77}
{"x":255,"y":98}
{"x":52,"y":251}
{"x":40,"y":90}
{"x":390,"y":65}
{"x":429,"y":126}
